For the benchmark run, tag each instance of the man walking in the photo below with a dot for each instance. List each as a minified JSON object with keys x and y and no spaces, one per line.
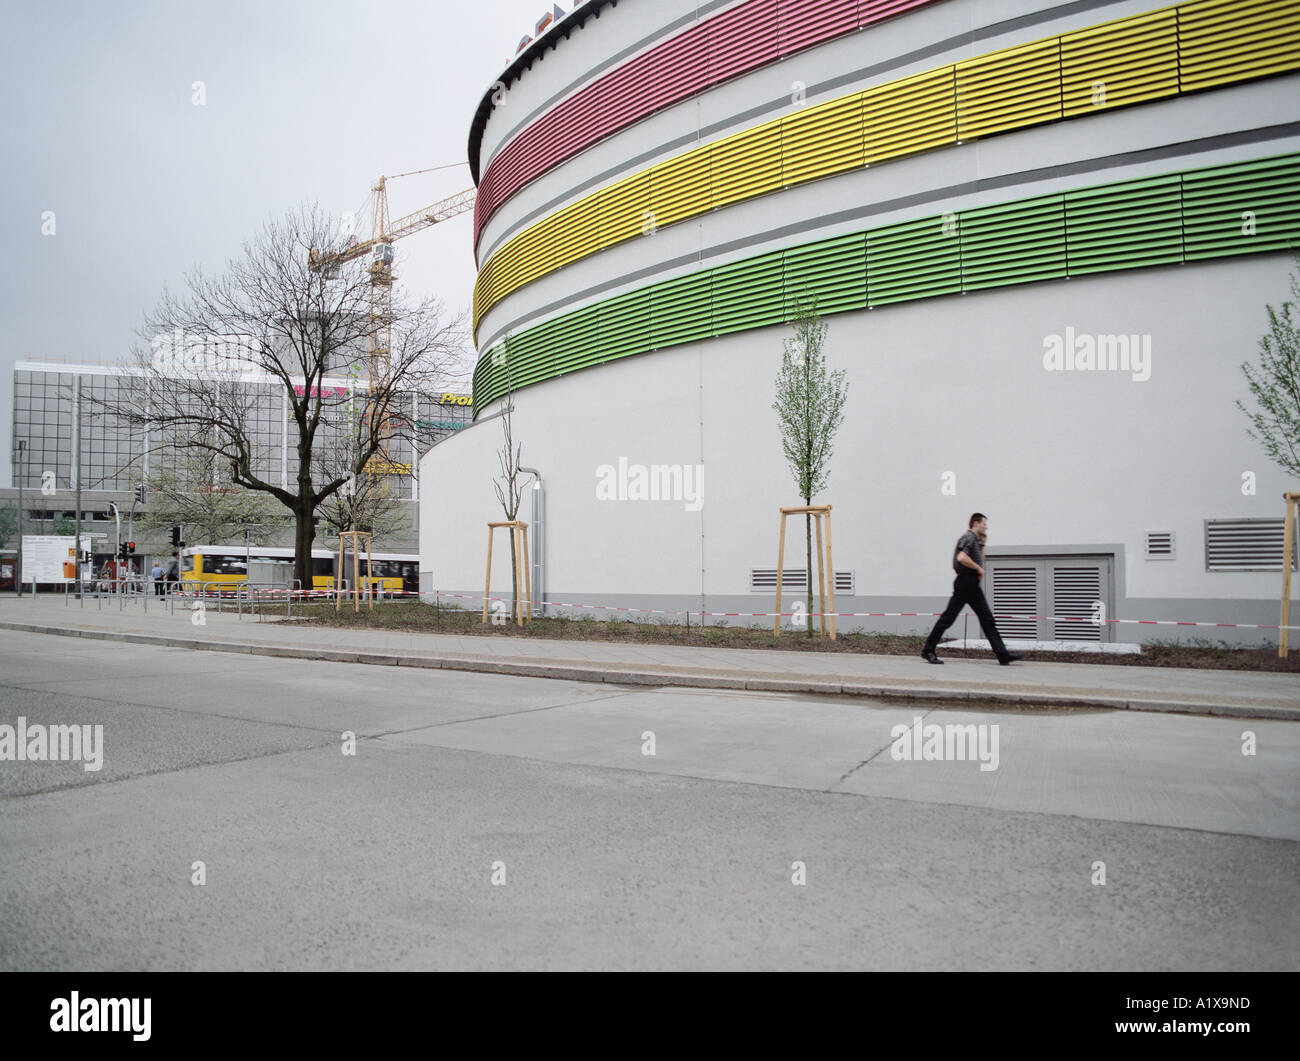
{"x":968,"y":562}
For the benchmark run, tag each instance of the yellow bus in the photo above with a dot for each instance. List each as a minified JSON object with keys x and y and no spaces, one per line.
{"x":215,"y":566}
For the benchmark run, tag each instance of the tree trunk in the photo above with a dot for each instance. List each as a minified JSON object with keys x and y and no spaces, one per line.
{"x":304,"y":537}
{"x":807,"y":540}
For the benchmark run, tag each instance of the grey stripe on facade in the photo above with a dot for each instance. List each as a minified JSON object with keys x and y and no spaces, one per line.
{"x":1094,"y":165}
{"x":765,"y":109}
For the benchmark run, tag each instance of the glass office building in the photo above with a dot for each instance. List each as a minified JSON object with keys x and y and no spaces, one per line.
{"x":117,"y":456}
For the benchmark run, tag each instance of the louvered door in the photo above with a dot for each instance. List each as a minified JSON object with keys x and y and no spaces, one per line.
{"x":1076,"y":593}
{"x":1061,"y":591}
{"x":1013,"y":596}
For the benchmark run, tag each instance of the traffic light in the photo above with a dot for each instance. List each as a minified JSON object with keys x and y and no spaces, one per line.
{"x":121,"y":551}
{"x":176,"y":534}
{"x":130,"y":547}
{"x":139,"y":494}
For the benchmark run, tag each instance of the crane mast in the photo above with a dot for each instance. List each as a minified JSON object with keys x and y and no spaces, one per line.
{"x":380,"y":247}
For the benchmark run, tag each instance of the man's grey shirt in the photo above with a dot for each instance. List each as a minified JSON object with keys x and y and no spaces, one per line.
{"x":968,"y":543}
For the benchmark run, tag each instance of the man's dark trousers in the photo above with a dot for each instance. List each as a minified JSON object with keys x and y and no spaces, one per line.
{"x":966,"y":590}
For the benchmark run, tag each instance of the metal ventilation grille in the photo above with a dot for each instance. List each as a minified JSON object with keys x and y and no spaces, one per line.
{"x":1015,"y":593}
{"x":1074,"y":593}
{"x":763,"y":580}
{"x":1244,"y":544}
{"x":1160,"y":545}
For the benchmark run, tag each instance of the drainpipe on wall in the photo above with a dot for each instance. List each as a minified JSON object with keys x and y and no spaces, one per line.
{"x":539,"y":537}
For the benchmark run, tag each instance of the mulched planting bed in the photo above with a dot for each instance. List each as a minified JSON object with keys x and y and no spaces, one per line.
{"x":412,"y":617}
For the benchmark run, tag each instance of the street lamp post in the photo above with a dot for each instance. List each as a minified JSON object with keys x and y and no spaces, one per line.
{"x":117,"y":542}
{"x":22,"y":474}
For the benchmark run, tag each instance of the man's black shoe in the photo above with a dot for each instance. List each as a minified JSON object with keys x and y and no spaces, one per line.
{"x":930,"y":657}
{"x":1010,"y":658}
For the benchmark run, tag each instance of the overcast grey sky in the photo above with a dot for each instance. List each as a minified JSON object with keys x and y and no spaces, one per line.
{"x":306,"y":100}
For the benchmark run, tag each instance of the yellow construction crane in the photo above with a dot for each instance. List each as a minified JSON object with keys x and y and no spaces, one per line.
{"x":380,"y":245}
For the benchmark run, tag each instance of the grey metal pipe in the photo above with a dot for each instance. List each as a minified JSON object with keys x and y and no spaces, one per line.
{"x":539,"y":537}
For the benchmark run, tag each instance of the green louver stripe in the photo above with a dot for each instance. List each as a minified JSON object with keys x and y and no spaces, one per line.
{"x":1013,"y":243}
{"x":1125,"y":226}
{"x":576,"y":340}
{"x":625,"y":325}
{"x":681,"y":311}
{"x":748,"y":294}
{"x":832,"y":271}
{"x":918,"y":259}
{"x":1221,"y":207}
{"x":1242,"y":208}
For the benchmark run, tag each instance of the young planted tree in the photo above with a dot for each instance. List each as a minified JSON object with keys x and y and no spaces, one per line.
{"x":276,"y":330}
{"x":509,"y":489}
{"x":1274,"y":383}
{"x":809,"y":407}
{"x":365,"y":503}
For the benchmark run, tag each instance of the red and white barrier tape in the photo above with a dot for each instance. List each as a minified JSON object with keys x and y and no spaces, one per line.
{"x":881,"y":615}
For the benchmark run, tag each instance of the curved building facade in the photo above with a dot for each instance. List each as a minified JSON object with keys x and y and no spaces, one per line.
{"x":1042,"y":238}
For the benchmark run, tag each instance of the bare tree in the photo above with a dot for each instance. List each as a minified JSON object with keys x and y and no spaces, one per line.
{"x":810,"y":407}
{"x":194,"y":492}
{"x":508,"y":489}
{"x":273,"y":328}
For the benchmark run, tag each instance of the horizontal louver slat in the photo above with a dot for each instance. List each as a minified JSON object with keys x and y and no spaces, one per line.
{"x":1220,"y":41}
{"x":748,"y":294}
{"x":803,"y":23}
{"x":681,"y":311}
{"x":911,"y":115}
{"x":624,"y":325}
{"x":1015,"y":601}
{"x":832,"y":272}
{"x":1245,"y":544}
{"x":746,"y":165}
{"x":822,"y":141}
{"x":1074,"y":591}
{"x":763,"y":580}
{"x":1129,"y":61}
{"x":917,"y":259}
{"x":1013,"y":244}
{"x":1124,"y":226}
{"x":1241,"y":208}
{"x":923,"y":258}
{"x":1009,"y":89}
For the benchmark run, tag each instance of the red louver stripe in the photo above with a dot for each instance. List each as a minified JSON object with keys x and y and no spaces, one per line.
{"x":807,"y":22}
{"x":742,"y":39}
{"x":735,"y":42}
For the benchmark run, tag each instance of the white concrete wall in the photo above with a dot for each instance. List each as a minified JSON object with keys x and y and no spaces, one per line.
{"x":952,"y":384}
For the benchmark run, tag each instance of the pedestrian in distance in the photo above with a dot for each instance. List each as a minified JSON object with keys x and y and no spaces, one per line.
{"x":174,"y":568}
{"x":157,"y":575}
{"x":968,"y":563}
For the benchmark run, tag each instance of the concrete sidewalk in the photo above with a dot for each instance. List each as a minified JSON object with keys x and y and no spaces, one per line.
{"x":1028,"y":684}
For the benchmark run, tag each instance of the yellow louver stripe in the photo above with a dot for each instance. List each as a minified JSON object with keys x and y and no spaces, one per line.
{"x":1194,"y":45}
{"x":1227,"y":40}
{"x":747,"y":164}
{"x":914,"y":114}
{"x":823,"y":140}
{"x":1123,"y":62}
{"x":625,"y":210}
{"x":1008,"y":89}
{"x":682,"y":187}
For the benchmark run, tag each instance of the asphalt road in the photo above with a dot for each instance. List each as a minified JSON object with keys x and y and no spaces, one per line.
{"x":493,"y":822}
